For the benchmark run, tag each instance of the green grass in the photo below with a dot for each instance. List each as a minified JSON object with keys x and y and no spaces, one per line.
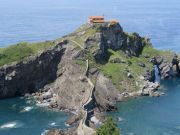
{"x":154,"y":52}
{"x":21,"y":50}
{"x":80,"y":62}
{"x":117,"y":72}
{"x":40,"y":46}
{"x":82,"y":33}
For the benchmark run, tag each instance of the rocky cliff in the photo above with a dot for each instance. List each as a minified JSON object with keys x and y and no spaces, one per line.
{"x":113,"y":37}
{"x":31,"y":74}
{"x":120,"y":66}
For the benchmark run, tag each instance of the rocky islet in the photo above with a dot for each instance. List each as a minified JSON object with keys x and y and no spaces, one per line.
{"x":58,"y":77}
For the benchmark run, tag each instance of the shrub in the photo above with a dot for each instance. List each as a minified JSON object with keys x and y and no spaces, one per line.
{"x":108,"y":128}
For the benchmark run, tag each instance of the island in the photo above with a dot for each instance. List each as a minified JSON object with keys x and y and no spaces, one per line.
{"x":86,"y":72}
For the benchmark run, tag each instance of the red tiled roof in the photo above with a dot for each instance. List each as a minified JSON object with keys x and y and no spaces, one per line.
{"x":94,"y":17}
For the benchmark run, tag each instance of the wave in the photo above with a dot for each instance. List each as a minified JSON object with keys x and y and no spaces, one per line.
{"x":27,"y":109}
{"x":12,"y":124}
{"x":53,"y":124}
{"x":120,"y":119}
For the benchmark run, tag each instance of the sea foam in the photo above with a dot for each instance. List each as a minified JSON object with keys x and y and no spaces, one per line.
{"x":27,"y":109}
{"x":13,"y":124}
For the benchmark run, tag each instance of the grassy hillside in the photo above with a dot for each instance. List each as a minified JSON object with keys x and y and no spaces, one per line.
{"x":21,"y":50}
{"x":118,"y":72}
{"x":117,"y":67}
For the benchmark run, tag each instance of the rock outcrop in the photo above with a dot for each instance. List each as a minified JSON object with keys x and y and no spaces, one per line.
{"x":31,"y":74}
{"x":105,"y":94}
{"x":113,"y":37}
{"x":167,"y":68}
{"x":59,"y":77}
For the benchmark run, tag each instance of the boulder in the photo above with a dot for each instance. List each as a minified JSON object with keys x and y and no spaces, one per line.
{"x":105,"y":93}
{"x":146,"y":56}
{"x":47,"y":95}
{"x":165,"y":72}
{"x":92,"y":71}
{"x":141,"y":64}
{"x":117,"y":60}
{"x":73,"y":119}
{"x":129,"y":75}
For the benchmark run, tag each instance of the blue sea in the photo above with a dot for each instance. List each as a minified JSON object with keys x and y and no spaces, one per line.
{"x":151,"y":116}
{"x":39,"y":20}
{"x":20,"y":117}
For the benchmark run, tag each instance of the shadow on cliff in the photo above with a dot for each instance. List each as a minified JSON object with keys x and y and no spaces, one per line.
{"x":30,"y":75}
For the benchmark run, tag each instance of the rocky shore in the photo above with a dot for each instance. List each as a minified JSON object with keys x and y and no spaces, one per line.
{"x":121,"y":66}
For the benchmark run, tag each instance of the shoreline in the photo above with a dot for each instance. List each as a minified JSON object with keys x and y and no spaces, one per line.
{"x":117,"y":65}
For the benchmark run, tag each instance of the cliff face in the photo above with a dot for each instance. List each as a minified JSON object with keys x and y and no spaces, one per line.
{"x":113,"y":37}
{"x":119,"y":64}
{"x":99,"y":64}
{"x":31,"y":74}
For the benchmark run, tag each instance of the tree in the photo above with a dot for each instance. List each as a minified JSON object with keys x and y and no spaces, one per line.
{"x":108,"y":128}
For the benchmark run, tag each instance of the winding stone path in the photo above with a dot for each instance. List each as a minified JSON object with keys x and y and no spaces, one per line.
{"x":83,"y":129}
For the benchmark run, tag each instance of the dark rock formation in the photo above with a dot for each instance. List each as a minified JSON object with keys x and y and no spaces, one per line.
{"x":167,"y":69}
{"x":71,"y":131}
{"x":31,"y":74}
{"x":175,"y":65}
{"x":62,"y":83}
{"x":117,"y":60}
{"x":141,"y":64}
{"x":74,"y":119}
{"x":113,"y":37}
{"x":105,"y":94}
{"x":149,"y":75}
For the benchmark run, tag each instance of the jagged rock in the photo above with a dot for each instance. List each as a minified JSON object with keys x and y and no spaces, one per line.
{"x":27,"y":95}
{"x":154,"y":94}
{"x":129,"y":75}
{"x":83,"y":78}
{"x":105,"y":93}
{"x":61,"y":132}
{"x":117,"y":60}
{"x":134,"y":45}
{"x":150,"y":88}
{"x":159,"y":60}
{"x":55,"y":132}
{"x":141,"y":77}
{"x":92,"y":71}
{"x":26,"y":77}
{"x":71,"y":131}
{"x":175,"y":64}
{"x":146,"y":55}
{"x":114,"y":38}
{"x":73,"y":119}
{"x":165,"y":72}
{"x":141,"y":64}
{"x":125,"y":94}
{"x":149,"y":75}
{"x":47,"y":95}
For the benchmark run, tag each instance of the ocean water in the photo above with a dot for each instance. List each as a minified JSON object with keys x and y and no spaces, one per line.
{"x":152,"y":116}
{"x":39,"y":20}
{"x":18,"y":117}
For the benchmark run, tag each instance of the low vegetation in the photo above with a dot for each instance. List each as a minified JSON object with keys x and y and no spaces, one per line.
{"x":108,"y":128}
{"x":118,"y":72}
{"x":21,"y":50}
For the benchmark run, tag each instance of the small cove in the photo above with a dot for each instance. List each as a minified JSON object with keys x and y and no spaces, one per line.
{"x":19,"y":117}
